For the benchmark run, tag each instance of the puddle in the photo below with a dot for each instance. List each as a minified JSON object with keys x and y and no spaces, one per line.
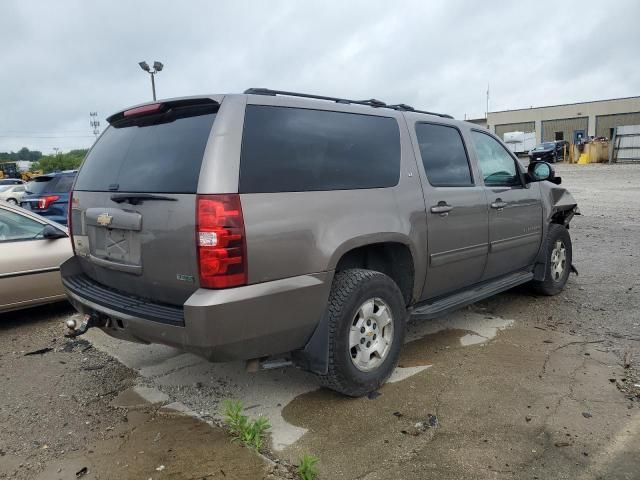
{"x":163,"y":445}
{"x":200,"y":385}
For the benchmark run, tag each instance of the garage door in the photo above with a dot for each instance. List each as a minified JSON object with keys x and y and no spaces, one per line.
{"x":515,"y":127}
{"x":564,"y":128}
{"x":606,"y":123}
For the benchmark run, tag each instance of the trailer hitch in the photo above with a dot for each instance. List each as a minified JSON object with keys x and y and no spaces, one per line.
{"x":73,"y":329}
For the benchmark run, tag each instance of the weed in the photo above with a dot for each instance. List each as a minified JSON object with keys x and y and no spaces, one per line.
{"x":249,"y":432}
{"x":308,"y":468}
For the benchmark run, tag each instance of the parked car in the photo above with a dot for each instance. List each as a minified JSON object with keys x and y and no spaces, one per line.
{"x":48,"y":195}
{"x":548,"y":151}
{"x":11,"y":193}
{"x":10,"y":181}
{"x":31,"y":251}
{"x":273,"y":225}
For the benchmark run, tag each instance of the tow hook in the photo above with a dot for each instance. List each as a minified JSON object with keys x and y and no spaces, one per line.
{"x":574,"y":269}
{"x":73,"y":330}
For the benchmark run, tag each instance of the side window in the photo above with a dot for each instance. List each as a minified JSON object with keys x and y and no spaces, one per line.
{"x":293,"y":149}
{"x":19,"y":189}
{"x":15,"y":227}
{"x":443,"y":155}
{"x":497,"y":166}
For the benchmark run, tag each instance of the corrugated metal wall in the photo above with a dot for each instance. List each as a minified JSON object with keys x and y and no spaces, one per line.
{"x":626,"y":144}
{"x":604,"y":123}
{"x":565,"y":125}
{"x":515,"y":127}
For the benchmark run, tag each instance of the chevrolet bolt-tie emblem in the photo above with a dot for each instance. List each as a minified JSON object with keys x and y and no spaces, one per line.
{"x":104,"y":219}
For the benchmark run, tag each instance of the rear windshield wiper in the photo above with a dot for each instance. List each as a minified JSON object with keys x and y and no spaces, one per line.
{"x":136,"y":198}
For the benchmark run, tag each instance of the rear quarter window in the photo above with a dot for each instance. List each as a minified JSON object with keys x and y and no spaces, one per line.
{"x":292,"y":149}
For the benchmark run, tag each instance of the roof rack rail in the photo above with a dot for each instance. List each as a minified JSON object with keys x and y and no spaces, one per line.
{"x":372,"y":102}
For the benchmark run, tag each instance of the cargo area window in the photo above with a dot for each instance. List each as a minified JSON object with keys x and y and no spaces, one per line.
{"x":149,"y":156}
{"x":292,"y":149}
{"x":443,"y":155}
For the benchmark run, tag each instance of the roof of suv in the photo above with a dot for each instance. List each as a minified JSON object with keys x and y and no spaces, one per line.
{"x":301,"y":97}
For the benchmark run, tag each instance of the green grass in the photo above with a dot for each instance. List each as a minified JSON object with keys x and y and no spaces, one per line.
{"x":249,"y":432}
{"x":308,"y":468}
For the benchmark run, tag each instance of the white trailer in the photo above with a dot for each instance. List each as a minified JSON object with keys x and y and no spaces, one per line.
{"x":520,"y":142}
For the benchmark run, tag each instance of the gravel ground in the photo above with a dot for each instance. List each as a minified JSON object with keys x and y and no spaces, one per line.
{"x":516,"y":386}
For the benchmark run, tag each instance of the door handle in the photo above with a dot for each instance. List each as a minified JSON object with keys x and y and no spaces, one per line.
{"x":498,"y":204}
{"x":442,"y":208}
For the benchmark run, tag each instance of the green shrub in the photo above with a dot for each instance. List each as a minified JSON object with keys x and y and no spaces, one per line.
{"x":249,"y":432}
{"x":308,"y":468}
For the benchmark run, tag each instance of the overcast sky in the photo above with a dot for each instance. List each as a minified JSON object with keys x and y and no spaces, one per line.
{"x":60,"y":59}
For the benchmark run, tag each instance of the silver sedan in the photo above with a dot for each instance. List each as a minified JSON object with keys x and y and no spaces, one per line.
{"x":31,"y":251}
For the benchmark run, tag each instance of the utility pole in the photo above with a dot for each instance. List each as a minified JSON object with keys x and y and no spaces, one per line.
{"x":56,"y":149}
{"x":487,"y":114}
{"x":157,"y":67}
{"x":95,"y":123}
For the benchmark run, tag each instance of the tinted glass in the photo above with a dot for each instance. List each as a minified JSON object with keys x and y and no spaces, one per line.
{"x":497,"y":166}
{"x":39,"y":185}
{"x":63,"y":185}
{"x":14,"y":226}
{"x":292,"y":149}
{"x":443,"y":155}
{"x":162,"y":158}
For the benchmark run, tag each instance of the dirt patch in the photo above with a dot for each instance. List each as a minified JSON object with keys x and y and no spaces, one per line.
{"x":68,"y":409}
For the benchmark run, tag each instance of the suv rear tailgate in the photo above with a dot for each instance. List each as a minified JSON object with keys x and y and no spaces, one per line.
{"x":133,"y":206}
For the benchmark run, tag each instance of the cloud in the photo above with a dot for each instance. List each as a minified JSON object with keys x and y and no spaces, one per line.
{"x":61,"y":60}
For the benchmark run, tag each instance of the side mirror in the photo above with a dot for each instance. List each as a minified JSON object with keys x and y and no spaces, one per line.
{"x":539,"y":172}
{"x":50,"y":232}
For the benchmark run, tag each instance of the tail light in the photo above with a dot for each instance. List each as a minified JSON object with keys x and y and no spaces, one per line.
{"x":44,"y":202}
{"x":221,"y":241}
{"x":70,"y":222}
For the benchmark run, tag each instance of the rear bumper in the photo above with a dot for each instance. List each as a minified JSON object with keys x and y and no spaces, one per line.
{"x":241,"y":323}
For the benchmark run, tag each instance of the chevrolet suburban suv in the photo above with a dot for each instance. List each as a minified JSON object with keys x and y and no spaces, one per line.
{"x":277,"y":225}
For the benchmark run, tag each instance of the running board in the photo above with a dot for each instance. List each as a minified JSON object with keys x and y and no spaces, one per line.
{"x":467,"y":297}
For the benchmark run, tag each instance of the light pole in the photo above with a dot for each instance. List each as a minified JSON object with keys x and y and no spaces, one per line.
{"x":157,"y":67}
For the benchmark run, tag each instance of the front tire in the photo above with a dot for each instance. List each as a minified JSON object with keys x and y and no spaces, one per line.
{"x":12,"y":201}
{"x":559,"y":255}
{"x":366,"y":316}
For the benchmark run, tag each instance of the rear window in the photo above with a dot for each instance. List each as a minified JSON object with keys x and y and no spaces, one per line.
{"x":292,"y":149}
{"x":39,"y":185}
{"x":443,"y":155}
{"x":162,"y":157}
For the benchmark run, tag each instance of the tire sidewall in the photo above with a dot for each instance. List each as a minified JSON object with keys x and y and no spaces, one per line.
{"x":379,"y":286}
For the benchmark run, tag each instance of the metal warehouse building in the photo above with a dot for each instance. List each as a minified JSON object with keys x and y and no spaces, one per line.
{"x":570,"y":121}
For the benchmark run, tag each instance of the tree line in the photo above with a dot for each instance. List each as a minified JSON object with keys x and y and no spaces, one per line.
{"x":46,"y":163}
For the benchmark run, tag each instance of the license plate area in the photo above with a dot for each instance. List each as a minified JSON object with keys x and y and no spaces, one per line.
{"x":115,"y":245}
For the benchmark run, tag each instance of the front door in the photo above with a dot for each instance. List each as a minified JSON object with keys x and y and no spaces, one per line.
{"x":515,"y":213}
{"x":457,"y":220}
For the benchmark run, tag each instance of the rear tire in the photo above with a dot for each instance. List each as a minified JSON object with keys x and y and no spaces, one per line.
{"x":366,"y":318}
{"x":559,"y":255}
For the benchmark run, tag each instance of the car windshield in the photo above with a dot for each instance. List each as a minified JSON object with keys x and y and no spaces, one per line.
{"x":38,"y":185}
{"x":544,"y":146}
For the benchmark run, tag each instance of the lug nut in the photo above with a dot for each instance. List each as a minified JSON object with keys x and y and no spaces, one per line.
{"x":368,"y":323}
{"x":375,"y":336}
{"x":375,"y":326}
{"x":361,"y":329}
{"x":361,"y":340}
{"x":368,"y":344}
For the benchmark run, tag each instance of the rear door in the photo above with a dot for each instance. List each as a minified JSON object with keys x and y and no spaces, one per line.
{"x":133,"y":206}
{"x":457,"y":226}
{"x":515,"y":213}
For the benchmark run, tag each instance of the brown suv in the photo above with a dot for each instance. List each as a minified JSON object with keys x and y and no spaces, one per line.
{"x":273,"y":224}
